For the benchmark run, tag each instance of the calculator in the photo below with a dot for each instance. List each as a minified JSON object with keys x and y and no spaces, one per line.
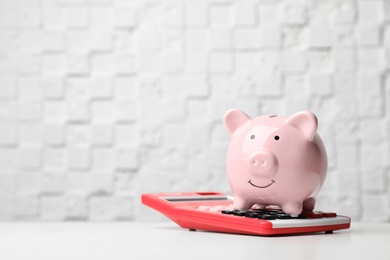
{"x":213,"y":211}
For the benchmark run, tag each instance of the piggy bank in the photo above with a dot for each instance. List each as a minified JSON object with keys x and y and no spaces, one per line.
{"x":275,"y":161}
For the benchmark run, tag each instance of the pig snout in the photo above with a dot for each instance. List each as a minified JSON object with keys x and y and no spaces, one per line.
{"x":261,"y":163}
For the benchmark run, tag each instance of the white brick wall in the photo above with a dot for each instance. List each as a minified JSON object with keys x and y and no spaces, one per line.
{"x":101,"y":101}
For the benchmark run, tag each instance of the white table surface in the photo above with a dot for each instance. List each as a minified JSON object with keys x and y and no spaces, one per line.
{"x":117,"y":241}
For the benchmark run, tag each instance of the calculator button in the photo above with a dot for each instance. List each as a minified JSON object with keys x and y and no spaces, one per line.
{"x":227,"y":212}
{"x":283,"y":216}
{"x":266,"y":217}
{"x":239,"y":213}
{"x":251,"y":214}
{"x":275,"y":210}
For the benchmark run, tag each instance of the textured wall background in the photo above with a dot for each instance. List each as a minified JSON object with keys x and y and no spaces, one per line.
{"x":103,"y":100}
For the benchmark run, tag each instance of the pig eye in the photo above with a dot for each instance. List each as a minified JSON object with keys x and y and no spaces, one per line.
{"x":276,"y":137}
{"x":252,"y":137}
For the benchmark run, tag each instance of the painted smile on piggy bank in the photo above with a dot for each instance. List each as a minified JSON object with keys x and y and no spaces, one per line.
{"x":261,"y":187}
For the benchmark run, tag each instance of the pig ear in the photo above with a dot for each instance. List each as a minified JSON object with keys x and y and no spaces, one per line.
{"x":306,"y":122}
{"x":233,"y":119}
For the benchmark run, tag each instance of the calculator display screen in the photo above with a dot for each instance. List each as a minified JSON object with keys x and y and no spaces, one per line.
{"x":200,"y":198}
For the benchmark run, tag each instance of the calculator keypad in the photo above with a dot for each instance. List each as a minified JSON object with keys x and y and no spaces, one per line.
{"x":262,"y":214}
{"x":267,"y":214}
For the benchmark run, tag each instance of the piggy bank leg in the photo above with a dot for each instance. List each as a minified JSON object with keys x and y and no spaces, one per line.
{"x":258,"y":206}
{"x":293,"y":208}
{"x":308,"y":204}
{"x":241,"y":204}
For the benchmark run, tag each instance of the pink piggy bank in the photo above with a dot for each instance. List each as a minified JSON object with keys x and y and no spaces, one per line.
{"x":275,"y":160}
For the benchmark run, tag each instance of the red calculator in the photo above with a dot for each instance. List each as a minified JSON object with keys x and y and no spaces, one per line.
{"x":213,"y":211}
